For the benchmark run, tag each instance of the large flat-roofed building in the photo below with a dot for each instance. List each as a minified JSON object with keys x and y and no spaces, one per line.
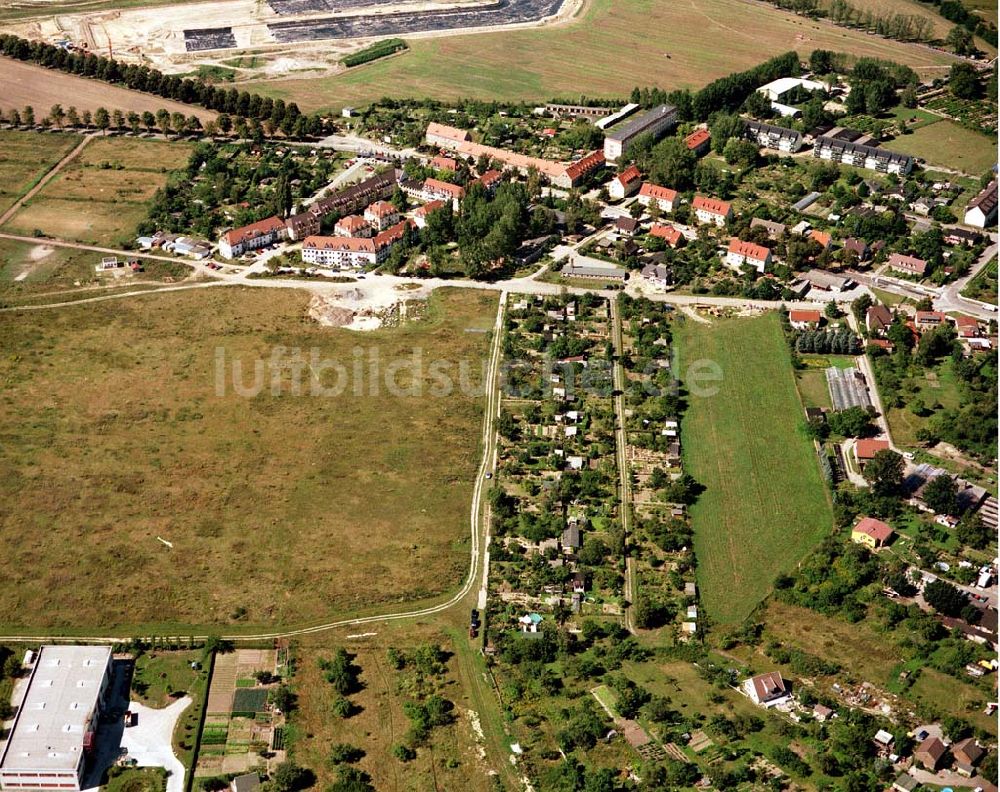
{"x":56,"y":719}
{"x":654,"y":122}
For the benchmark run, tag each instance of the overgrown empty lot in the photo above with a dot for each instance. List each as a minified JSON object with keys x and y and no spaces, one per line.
{"x":281,"y":509}
{"x":102,"y":195}
{"x":25,"y":157}
{"x":764,"y":503}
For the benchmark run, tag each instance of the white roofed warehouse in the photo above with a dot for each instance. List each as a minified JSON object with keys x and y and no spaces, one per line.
{"x":56,"y":719}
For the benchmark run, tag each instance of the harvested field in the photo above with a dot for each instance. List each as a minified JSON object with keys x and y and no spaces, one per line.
{"x":764,"y":503}
{"x":683,"y":45}
{"x":114,"y":435}
{"x":26,"y":84}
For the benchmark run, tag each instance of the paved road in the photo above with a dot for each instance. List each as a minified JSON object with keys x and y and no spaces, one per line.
{"x":951,"y":298}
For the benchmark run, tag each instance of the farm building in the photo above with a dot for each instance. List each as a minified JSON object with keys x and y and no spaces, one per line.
{"x":57,"y":719}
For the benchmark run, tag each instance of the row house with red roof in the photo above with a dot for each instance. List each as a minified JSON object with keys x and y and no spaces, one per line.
{"x":663,"y":198}
{"x":712,"y":210}
{"x":740,"y":254}
{"x":625,"y":184}
{"x":343,"y":252}
{"x":252,"y":237}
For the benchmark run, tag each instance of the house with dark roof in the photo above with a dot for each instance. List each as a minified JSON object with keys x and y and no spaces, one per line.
{"x":653,"y":122}
{"x":967,"y":754}
{"x":877,"y":319}
{"x":982,"y":210}
{"x":768,"y":690}
{"x":773,"y":137}
{"x":836,"y":148}
{"x":930,"y":753}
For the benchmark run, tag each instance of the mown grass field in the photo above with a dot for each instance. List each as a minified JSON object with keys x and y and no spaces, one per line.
{"x":681,"y":44}
{"x":25,"y":157}
{"x":101,"y":196}
{"x":937,"y":387}
{"x":950,"y":145}
{"x":764,"y":503}
{"x":293,"y":508}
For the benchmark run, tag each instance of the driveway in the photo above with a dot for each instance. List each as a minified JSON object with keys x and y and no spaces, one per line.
{"x":150,"y":741}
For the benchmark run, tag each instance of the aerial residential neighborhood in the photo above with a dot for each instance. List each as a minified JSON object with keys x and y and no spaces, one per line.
{"x":537,"y":396}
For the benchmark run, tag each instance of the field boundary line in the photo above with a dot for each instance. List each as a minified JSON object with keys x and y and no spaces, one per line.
{"x":46,"y":178}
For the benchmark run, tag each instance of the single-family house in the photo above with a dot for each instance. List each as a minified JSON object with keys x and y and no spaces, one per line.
{"x":490,"y":180}
{"x":571,"y":541}
{"x":667,"y":233}
{"x":967,"y":754}
{"x":656,"y":275}
{"x":803,"y":320}
{"x":625,"y":183}
{"x":982,"y":210}
{"x":822,"y":713}
{"x":909,"y":265}
{"x":866,"y":448}
{"x":443,"y":163}
{"x":767,"y":690}
{"x":930,"y":753}
{"x":821,"y":238}
{"x":740,"y":253}
{"x":905,"y":783}
{"x":961,"y":236}
{"x":774,"y":230}
{"x":858,"y":248}
{"x":871,"y":533}
{"x":712,"y":210}
{"x":249,"y":782}
{"x":878,"y":318}
{"x":929,"y":320}
{"x":626,"y":226}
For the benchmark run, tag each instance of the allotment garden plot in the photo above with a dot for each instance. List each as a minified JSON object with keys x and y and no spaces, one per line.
{"x":241,"y":722}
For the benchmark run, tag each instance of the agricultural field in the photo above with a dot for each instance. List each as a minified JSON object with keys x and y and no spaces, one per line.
{"x":102,"y":195}
{"x":950,"y":145}
{"x":27,"y":84}
{"x":116,"y":431}
{"x":453,"y":754}
{"x":684,"y":45}
{"x":764,"y":503}
{"x":25,"y":157}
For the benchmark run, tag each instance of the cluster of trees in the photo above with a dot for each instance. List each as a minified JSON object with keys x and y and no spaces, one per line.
{"x":902,"y":27}
{"x":272,"y":114}
{"x":955,"y":11}
{"x":831,"y":342}
{"x":251,"y":186}
{"x":725,"y":94}
{"x":380,"y":49}
{"x":874,"y":83}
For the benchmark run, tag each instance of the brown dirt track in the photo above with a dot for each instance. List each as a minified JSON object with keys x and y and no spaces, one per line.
{"x":26,"y":84}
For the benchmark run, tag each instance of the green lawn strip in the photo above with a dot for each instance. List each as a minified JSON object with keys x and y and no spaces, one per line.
{"x":765,"y":503}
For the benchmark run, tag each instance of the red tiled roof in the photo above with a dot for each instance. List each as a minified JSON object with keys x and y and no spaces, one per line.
{"x":966,"y":321}
{"x":804,"y":316}
{"x":381,"y":209}
{"x":748,"y":249}
{"x":445,"y":131}
{"x":584,"y":165}
{"x":666,"y":232}
{"x":697,"y":138}
{"x":881,"y":343}
{"x":876,"y":529}
{"x":351,"y":223}
{"x":649,"y":190}
{"x":866,"y":448}
{"x":629,"y":175}
{"x":489,"y":178}
{"x":821,"y":237}
{"x":357,"y":244}
{"x":260,"y":228}
{"x":429,"y":207}
{"x":441,"y":162}
{"x":454,"y":190}
{"x":711,"y":205}
{"x":931,"y":316}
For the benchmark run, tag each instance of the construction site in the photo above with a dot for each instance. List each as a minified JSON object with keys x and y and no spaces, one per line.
{"x":177,"y":38}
